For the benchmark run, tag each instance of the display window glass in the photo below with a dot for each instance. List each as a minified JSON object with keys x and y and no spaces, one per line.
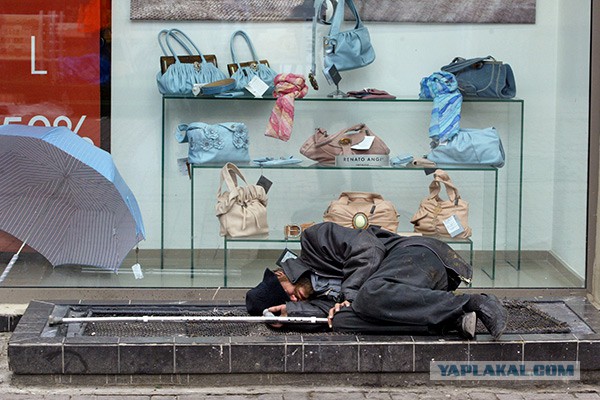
{"x":94,"y":67}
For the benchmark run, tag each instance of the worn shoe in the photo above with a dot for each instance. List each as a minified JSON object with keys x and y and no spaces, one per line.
{"x":468,"y":323}
{"x":491,"y":312}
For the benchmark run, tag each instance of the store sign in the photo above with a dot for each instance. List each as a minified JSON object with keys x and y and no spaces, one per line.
{"x":52,"y":69}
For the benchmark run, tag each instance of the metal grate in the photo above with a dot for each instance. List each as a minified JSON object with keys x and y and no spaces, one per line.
{"x":524,"y":317}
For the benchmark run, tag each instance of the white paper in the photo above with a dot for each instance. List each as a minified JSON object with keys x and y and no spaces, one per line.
{"x":137,"y":271}
{"x":366,"y":143}
{"x":257,"y":86}
{"x":182,"y":166}
{"x":453,"y":225}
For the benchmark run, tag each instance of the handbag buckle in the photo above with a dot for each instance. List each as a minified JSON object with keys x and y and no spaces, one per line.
{"x":254,"y":66}
{"x":360,"y":221}
{"x":345,"y":141}
{"x":197,"y":66}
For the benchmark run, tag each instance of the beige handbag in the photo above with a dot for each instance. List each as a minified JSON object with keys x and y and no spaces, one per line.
{"x":446,"y":218}
{"x":242,"y":210}
{"x":323,"y":147}
{"x":361,"y":209}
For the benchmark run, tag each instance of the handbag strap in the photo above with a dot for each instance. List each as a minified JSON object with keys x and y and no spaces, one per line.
{"x":248,"y":42}
{"x":338,"y":16}
{"x":181,"y":38}
{"x":441,"y":176}
{"x":459,"y":63}
{"x":229,"y":174}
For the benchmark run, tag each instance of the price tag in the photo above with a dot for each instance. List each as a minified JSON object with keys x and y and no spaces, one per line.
{"x":137,"y":271}
{"x":257,"y":86}
{"x":453,"y":226}
{"x":182,"y":166}
{"x":365,"y":144}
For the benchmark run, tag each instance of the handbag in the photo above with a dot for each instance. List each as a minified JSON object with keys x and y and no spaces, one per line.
{"x":323,"y":148}
{"x":346,"y":50}
{"x":445,"y":218}
{"x":483,"y":77}
{"x":215,"y":144}
{"x":243,"y":72}
{"x":360,"y":209}
{"x":242,"y":210}
{"x":180,"y":76}
{"x":470,"y":146}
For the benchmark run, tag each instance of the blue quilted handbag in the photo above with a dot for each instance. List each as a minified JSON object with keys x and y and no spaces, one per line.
{"x":215,"y":144}
{"x":470,"y":146}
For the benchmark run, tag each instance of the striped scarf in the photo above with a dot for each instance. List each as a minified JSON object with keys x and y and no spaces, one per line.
{"x":287,"y":88}
{"x":442,"y":87}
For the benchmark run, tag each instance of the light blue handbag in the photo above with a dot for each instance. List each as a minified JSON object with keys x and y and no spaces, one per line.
{"x":244,"y":72}
{"x":470,"y":146}
{"x":349,"y":49}
{"x":215,"y":144}
{"x":180,"y":77}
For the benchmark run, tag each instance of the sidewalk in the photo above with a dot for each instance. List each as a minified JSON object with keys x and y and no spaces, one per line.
{"x":25,"y":387}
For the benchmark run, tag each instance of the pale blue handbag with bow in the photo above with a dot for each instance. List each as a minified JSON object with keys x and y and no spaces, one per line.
{"x":471,"y":147}
{"x":244,"y":72}
{"x":215,"y":144}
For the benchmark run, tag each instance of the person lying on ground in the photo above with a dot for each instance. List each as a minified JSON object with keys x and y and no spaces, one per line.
{"x":373,"y":280}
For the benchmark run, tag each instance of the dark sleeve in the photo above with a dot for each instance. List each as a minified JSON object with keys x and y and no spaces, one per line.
{"x":310,"y":308}
{"x":335,"y":251}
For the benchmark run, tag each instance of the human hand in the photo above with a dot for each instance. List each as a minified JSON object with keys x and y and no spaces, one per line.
{"x":337,"y":307}
{"x":281,"y":311}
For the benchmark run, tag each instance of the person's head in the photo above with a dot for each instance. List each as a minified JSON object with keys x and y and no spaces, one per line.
{"x":299,"y":291}
{"x":276,"y":289}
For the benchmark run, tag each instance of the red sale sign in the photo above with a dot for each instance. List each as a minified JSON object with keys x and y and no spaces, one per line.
{"x":52,"y":63}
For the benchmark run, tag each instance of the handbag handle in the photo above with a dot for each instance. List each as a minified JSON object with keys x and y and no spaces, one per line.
{"x":179,"y":36}
{"x":361,"y":128}
{"x":459,"y":63}
{"x":368,"y":196}
{"x":229,"y":174}
{"x":248,"y":42}
{"x":338,"y":16}
{"x":440,"y":176}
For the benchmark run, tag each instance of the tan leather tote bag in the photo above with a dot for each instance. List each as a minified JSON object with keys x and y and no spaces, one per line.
{"x":361,"y":209}
{"x":242,"y":210}
{"x":323,"y":147}
{"x":433,"y":211}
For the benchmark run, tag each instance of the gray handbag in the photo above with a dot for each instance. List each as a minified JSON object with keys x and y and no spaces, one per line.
{"x":483,"y":77}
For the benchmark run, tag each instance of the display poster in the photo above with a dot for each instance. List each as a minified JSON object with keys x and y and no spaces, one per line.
{"x":55,"y":64}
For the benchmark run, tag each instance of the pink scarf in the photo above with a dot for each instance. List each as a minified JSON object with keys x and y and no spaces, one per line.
{"x":287,"y":88}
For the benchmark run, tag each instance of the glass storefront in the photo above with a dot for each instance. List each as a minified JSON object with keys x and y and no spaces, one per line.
{"x":529,"y":217}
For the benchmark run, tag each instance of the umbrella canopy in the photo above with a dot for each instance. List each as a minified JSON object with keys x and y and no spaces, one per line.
{"x":64,"y":197}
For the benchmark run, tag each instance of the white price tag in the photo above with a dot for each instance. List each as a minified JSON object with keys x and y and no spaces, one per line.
{"x":137,"y":271}
{"x":182,"y":166}
{"x":365,"y":144}
{"x":257,"y":86}
{"x":453,"y":226}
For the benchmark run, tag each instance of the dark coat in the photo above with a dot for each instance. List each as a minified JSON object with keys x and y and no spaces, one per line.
{"x":353,"y":255}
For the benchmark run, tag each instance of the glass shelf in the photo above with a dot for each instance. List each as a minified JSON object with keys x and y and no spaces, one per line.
{"x":398,"y":99}
{"x":307,"y":166}
{"x":496,"y":194}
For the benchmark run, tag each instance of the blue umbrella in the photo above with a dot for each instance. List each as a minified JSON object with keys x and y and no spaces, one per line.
{"x":64,"y":197}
